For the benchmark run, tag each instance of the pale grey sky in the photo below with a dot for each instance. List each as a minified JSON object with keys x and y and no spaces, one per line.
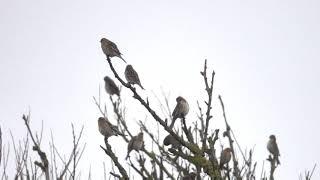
{"x":265,"y":54}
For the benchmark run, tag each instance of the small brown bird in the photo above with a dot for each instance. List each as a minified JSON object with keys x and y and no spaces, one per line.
{"x":225,"y":157}
{"x":136,"y":143}
{"x":132,"y":76}
{"x":272,"y":147}
{"x":170,"y":140}
{"x":191,"y":176}
{"x":106,"y":128}
{"x":180,"y":111}
{"x":111,"y":87}
{"x":110,"y":49}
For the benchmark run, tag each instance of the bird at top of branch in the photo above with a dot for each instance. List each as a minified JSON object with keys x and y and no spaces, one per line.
{"x":272,"y":147}
{"x":225,"y":157}
{"x":110,"y":49}
{"x":180,"y":111}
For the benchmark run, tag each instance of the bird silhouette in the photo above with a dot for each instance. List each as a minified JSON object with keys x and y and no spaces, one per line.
{"x":110,"y":49}
{"x":111,"y":87}
{"x":136,"y":143}
{"x":132,"y":76}
{"x":180,"y":111}
{"x":272,"y":147}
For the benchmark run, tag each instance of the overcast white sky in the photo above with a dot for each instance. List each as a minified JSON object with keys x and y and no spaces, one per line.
{"x":265,"y":54}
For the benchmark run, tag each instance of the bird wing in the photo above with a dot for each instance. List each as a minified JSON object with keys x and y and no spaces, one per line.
{"x":114,"y":88}
{"x":222,"y":158}
{"x":273,"y":148}
{"x":103,"y":128}
{"x":177,"y":111}
{"x":130,"y":145}
{"x":109,"y":123}
{"x":225,"y":157}
{"x":277,"y":152}
{"x":133,"y":75}
{"x":114,"y":48}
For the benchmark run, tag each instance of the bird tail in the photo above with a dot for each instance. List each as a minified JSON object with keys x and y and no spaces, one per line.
{"x":118,"y":93}
{"x":221,"y":166}
{"x":122,"y":59}
{"x":141,"y":86}
{"x":278,"y":161}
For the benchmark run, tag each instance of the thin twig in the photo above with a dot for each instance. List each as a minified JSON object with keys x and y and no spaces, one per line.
{"x":36,"y":147}
{"x":236,"y":170}
{"x":151,"y":111}
{"x":109,"y":152}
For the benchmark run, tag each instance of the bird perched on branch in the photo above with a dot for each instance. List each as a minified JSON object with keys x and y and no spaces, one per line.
{"x":111,"y":87}
{"x":180,"y":111}
{"x":191,"y":176}
{"x":107,"y":129}
{"x":110,"y":49}
{"x":225,"y":157}
{"x":272,"y":147}
{"x":136,"y":143}
{"x":132,"y":76}
{"x":170,"y":140}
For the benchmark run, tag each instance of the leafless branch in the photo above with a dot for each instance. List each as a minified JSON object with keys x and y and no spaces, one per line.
{"x":44,"y":164}
{"x":109,"y":152}
{"x":151,"y":111}
{"x":236,"y":170}
{"x":209,"y":90}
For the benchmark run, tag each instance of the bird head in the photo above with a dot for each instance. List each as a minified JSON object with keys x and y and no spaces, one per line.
{"x":106,"y":78}
{"x":103,"y":40}
{"x":101,"y":120}
{"x":129,"y":66}
{"x":140,"y":135}
{"x":272,"y":137}
{"x":167,"y":140}
{"x":179,"y":99}
{"x":228,"y":150}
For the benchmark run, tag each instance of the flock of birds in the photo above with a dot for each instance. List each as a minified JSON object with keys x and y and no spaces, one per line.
{"x":181,"y":109}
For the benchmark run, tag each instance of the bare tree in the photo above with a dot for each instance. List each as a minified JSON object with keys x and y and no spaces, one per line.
{"x":27,"y":168}
{"x":198,"y":152}
{"x":191,"y":149}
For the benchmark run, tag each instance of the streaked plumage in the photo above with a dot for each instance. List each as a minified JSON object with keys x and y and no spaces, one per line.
{"x":110,"y":49}
{"x":132,"y":76}
{"x":111,"y":87}
{"x":180,"y":111}
{"x":225,"y":157}
{"x":136,"y":143}
{"x":272,"y":147}
{"x":106,"y":128}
